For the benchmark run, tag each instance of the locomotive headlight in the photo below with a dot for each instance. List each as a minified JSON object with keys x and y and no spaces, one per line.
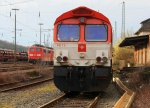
{"x":59,"y":59}
{"x":98,"y":59}
{"x":104,"y":59}
{"x":82,"y":19}
{"x":65,"y":58}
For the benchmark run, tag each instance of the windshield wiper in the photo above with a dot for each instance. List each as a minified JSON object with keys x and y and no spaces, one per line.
{"x":105,"y":26}
{"x":60,"y":24}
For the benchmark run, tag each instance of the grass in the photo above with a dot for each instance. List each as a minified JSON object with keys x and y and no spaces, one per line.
{"x":5,"y":105}
{"x":33,"y":74}
{"x":16,"y":76}
{"x":12,"y":77}
{"x":48,"y":88}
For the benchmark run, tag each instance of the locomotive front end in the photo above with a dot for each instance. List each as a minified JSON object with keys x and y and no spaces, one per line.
{"x":82,"y":51}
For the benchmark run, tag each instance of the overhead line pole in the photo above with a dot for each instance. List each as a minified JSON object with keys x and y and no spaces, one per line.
{"x":40,"y":31}
{"x":46,"y":30}
{"x":15,"y":35}
{"x":123,"y":20}
{"x":116,"y":37}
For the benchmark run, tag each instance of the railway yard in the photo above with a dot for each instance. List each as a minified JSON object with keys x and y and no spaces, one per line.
{"x":71,"y":56}
{"x":37,"y":90}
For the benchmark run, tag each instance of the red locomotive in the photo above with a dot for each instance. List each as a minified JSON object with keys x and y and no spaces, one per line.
{"x":82,"y":51}
{"x":40,"y":53}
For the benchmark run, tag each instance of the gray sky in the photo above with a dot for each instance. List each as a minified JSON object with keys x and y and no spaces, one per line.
{"x":28,"y":16}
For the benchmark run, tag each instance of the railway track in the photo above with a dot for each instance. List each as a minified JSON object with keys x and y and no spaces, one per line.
{"x":15,"y":68}
{"x":110,"y":99}
{"x":17,"y":82}
{"x":11,"y":67}
{"x":26,"y":85}
{"x":21,"y":67}
{"x":12,"y":63}
{"x":73,"y":101}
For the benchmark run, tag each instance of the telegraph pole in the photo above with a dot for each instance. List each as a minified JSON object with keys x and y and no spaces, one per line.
{"x":116,"y":29}
{"x":46,"y":30}
{"x":115,"y":38}
{"x":40,"y":31}
{"x":123,"y":20}
{"x":44,"y":39}
{"x":15,"y":35}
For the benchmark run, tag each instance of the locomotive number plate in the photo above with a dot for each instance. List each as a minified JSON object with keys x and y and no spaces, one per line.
{"x":60,"y":45}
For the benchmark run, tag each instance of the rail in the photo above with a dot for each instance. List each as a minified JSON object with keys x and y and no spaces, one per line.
{"x":26,"y":85}
{"x":94,"y":102}
{"x":64,"y":101}
{"x":53,"y":101}
{"x":127,"y":98}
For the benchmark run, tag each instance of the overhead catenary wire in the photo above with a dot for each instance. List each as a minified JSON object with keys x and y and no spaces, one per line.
{"x":19,"y":22}
{"x":15,"y":3}
{"x":27,"y":28}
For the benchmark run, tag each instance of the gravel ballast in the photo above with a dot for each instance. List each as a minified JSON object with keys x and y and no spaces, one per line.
{"x":32,"y":97}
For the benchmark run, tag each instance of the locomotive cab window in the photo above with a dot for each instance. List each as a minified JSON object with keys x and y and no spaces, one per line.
{"x":38,"y":49}
{"x":96,"y":32}
{"x":68,"y":32}
{"x":31,"y":49}
{"x":44,"y":50}
{"x":49,"y":51}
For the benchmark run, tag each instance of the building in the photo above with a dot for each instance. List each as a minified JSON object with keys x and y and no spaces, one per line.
{"x":141,"y":42}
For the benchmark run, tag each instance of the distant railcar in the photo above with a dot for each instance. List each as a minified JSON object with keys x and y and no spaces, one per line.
{"x":9,"y":55}
{"x":39,"y":53}
{"x":23,"y":56}
{"x":6,"y":55}
{"x":82,"y":51}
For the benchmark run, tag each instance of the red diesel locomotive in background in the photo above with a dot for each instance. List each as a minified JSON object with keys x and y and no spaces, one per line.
{"x":41,"y":54}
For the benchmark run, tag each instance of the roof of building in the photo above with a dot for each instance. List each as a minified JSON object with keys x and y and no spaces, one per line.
{"x":145,"y":26}
{"x":80,"y":12}
{"x":134,"y":40}
{"x":145,"y":21}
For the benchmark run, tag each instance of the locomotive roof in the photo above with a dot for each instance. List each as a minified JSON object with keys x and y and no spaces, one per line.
{"x":82,"y":11}
{"x":38,"y":45}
